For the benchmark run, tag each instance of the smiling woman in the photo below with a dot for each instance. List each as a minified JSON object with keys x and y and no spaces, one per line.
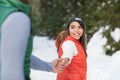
{"x":71,"y":47}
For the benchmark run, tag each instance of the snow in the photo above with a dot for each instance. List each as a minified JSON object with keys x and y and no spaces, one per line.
{"x":115,"y":34}
{"x":100,"y":66}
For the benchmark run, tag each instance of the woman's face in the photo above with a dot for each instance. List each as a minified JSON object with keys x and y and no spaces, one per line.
{"x":75,"y":30}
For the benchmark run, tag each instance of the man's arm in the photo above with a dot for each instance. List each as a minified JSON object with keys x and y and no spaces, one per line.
{"x":39,"y":64}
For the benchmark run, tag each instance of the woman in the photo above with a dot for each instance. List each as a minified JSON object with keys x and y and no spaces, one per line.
{"x":71,"y":47}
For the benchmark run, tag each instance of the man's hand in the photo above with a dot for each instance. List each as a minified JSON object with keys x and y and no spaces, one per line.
{"x":55,"y":63}
{"x":63,"y":63}
{"x":59,"y":64}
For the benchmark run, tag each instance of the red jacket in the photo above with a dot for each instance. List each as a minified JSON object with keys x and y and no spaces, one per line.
{"x":77,"y":69}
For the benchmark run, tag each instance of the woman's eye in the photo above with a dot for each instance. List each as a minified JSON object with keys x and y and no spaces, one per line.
{"x":72,"y":26}
{"x":80,"y":27}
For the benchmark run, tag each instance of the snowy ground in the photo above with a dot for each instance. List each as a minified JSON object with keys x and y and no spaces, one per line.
{"x":100,"y":66}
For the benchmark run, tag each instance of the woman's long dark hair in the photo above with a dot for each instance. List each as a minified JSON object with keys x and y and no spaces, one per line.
{"x":63,"y":34}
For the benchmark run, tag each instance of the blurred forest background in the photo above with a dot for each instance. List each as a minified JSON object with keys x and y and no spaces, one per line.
{"x":50,"y":16}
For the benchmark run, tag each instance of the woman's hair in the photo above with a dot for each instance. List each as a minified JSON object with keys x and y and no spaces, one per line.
{"x":63,"y":34}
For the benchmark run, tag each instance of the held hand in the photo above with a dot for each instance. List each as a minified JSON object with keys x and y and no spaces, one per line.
{"x":55,"y":63}
{"x":63,"y":63}
{"x":59,"y":64}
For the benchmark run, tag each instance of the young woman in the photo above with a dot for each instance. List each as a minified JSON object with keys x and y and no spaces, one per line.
{"x":71,"y":47}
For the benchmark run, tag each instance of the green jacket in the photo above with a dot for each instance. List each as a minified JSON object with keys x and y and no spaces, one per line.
{"x":7,"y":7}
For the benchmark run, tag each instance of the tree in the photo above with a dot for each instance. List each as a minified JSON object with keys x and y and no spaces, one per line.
{"x":95,"y":14}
